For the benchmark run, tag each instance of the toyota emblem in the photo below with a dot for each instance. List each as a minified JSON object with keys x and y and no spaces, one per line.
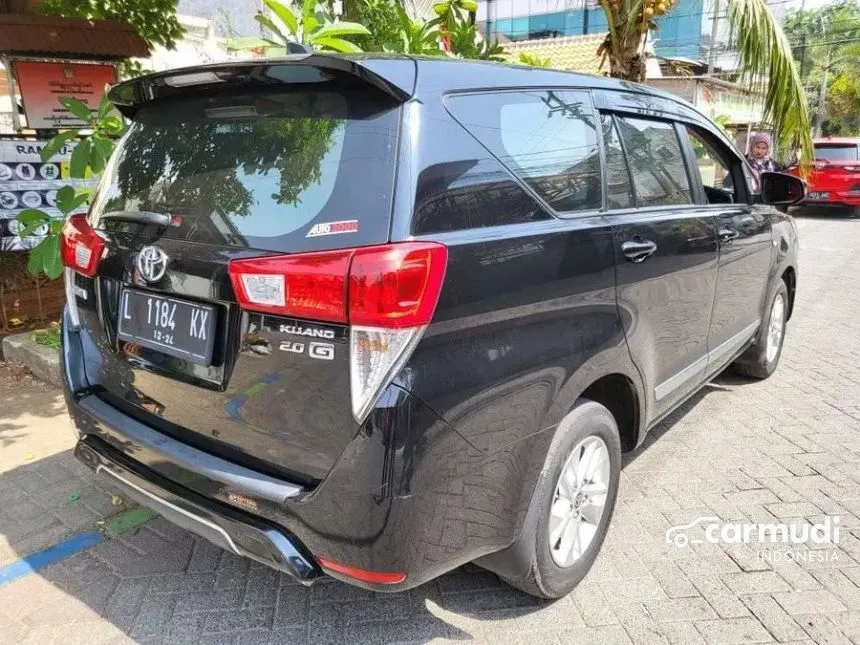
{"x":151,"y":263}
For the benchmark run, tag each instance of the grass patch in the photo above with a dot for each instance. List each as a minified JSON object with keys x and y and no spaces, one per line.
{"x":47,"y":337}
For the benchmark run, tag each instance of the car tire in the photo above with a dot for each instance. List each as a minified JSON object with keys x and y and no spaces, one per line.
{"x":762,"y":358}
{"x":589,"y":431}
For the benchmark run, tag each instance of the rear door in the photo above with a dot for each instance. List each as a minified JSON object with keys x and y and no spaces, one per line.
{"x":744,"y":238}
{"x":666,"y":254}
{"x":206,"y":178}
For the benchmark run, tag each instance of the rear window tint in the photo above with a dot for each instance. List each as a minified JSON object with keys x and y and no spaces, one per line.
{"x":547,"y":138}
{"x":656,"y":162}
{"x":837,"y":153}
{"x":277,"y":171}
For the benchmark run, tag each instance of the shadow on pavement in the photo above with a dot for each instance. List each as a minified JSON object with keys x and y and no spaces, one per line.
{"x":160,"y":584}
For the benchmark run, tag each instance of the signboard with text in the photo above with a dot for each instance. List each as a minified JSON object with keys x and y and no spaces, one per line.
{"x":28,"y":182}
{"x":43,"y":84}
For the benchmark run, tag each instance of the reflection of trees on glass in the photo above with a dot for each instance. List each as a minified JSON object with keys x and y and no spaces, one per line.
{"x":224,"y":159}
{"x":656,"y":163}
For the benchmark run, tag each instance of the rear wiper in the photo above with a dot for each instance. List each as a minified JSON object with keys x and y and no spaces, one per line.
{"x":143,"y":217}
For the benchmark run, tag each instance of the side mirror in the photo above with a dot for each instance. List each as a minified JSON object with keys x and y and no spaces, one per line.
{"x":779,"y":188}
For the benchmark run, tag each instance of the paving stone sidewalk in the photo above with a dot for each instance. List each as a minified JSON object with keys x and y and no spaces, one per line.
{"x":783,"y":450}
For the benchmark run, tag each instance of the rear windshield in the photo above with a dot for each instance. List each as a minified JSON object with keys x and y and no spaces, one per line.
{"x":277,"y":171}
{"x":836,"y":153}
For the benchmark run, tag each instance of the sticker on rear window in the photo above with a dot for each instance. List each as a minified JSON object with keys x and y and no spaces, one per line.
{"x":333,"y":228}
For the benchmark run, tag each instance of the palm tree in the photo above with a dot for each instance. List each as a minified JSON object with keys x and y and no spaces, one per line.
{"x":765,"y":61}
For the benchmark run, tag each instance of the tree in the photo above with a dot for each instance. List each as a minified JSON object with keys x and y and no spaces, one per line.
{"x":414,"y":36}
{"x":154,"y":20}
{"x":314,"y":26}
{"x":765,"y":61}
{"x":381,"y":19}
{"x":827,"y":45}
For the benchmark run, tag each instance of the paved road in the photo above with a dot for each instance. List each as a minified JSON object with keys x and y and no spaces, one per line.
{"x":787,"y":449}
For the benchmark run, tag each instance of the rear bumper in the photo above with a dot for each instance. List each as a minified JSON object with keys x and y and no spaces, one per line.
{"x":232,"y":531}
{"x":408,"y":495}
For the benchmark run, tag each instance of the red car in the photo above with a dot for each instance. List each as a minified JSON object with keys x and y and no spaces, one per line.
{"x":835,"y":179}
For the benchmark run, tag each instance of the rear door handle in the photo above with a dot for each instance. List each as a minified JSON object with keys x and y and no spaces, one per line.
{"x":727,"y":235}
{"x":638,"y":249}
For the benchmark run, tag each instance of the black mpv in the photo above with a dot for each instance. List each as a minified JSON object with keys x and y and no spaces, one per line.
{"x":377,"y":317}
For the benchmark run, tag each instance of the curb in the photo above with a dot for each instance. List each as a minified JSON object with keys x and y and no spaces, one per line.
{"x":43,"y":362}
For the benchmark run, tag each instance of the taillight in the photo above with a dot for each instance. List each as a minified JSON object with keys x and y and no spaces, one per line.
{"x":81,"y":247}
{"x":305,"y":285}
{"x":386,"y":293}
{"x":396,"y":285}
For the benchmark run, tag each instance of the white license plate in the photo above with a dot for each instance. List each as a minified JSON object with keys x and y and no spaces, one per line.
{"x":171,"y":326}
{"x":818,"y":196}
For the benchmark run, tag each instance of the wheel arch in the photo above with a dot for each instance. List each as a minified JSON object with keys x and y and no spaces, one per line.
{"x":789,"y":276}
{"x":611,"y":379}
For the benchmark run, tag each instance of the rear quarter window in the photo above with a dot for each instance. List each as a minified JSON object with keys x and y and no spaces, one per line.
{"x":547,"y":138}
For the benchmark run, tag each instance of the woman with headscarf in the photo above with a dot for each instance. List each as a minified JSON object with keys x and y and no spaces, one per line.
{"x":759,"y":155}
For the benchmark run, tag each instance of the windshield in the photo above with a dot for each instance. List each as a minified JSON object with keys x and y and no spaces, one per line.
{"x":262,"y":170}
{"x":836,"y":152}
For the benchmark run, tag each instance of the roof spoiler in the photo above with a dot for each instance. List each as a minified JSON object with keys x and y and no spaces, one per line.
{"x":393,"y":76}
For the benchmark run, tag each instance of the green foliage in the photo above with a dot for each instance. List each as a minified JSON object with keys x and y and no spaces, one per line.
{"x":93,"y":152}
{"x":381,"y":17}
{"x":452,"y":11}
{"x":843,"y":115}
{"x":765,"y":61}
{"x":533,"y":60}
{"x":459,"y":34}
{"x":48,"y":337}
{"x":415,"y":36}
{"x":464,"y":41}
{"x":825,"y":42}
{"x":45,"y":257}
{"x":89,"y":155}
{"x":314,"y":26}
{"x":154,"y":20}
{"x":131,"y":68}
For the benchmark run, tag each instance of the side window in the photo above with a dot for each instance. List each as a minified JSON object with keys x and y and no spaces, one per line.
{"x":656,"y":162}
{"x":460,"y":195}
{"x":547,"y":138}
{"x":715,"y":169}
{"x":619,"y":190}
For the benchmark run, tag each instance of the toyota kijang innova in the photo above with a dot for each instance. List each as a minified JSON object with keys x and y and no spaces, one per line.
{"x":376,"y":317}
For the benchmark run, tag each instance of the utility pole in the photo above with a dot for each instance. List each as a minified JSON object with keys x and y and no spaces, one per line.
{"x":822,"y":94}
{"x":715,"y":22}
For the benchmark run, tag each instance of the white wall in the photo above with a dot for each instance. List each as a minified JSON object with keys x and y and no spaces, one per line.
{"x":198,"y":46}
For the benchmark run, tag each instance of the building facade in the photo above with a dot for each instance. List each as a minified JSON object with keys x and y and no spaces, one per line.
{"x":685,"y":32}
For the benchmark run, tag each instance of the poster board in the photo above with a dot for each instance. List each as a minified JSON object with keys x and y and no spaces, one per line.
{"x":43,"y":83}
{"x":28,"y":182}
